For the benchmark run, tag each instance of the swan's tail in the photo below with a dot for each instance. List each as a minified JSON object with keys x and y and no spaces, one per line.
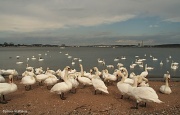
{"x":158,"y":101}
{"x":104,"y":90}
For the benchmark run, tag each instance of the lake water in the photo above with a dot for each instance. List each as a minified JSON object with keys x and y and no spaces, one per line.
{"x":55,"y":58}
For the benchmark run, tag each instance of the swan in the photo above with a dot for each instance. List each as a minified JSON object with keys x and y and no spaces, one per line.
{"x":80,"y":60}
{"x":27,"y":73}
{"x":41,"y":59}
{"x":6,"y":88}
{"x":165,"y":88}
{"x":28,"y":68}
{"x":123,"y":57}
{"x":173,"y":66}
{"x":33,"y":58}
{"x":161,"y":63}
{"x":84,"y":80}
{"x":10,"y":72}
{"x":61,"y":88}
{"x":97,"y":71}
{"x":28,"y":80}
{"x":50,"y":71}
{"x":88,"y":74}
{"x":98,"y":84}
{"x":101,"y":61}
{"x":109,"y":77}
{"x":73,"y":79}
{"x":144,"y":73}
{"x":116,"y":59}
{"x":123,"y":87}
{"x":51,"y":80}
{"x":2,"y":79}
{"x":143,"y":94}
{"x":155,"y":59}
{"x":19,"y":62}
{"x":39,"y":71}
{"x":125,"y":72}
{"x":41,"y":77}
{"x":110,"y":66}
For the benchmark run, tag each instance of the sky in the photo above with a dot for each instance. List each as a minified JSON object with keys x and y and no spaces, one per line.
{"x":90,"y":22}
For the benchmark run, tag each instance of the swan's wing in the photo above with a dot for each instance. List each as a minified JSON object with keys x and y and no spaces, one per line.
{"x":145,"y":93}
{"x":3,"y":86}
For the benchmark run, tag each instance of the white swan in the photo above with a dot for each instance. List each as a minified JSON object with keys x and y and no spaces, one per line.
{"x":48,"y":71}
{"x":125,"y":72}
{"x":123,"y":87}
{"x":73,"y":79}
{"x":109,"y":77}
{"x":98,"y":84}
{"x":88,"y":74}
{"x":41,"y":77}
{"x":84,"y":80}
{"x":33,"y":58}
{"x":143,"y":94}
{"x":51,"y":80}
{"x":28,"y":81}
{"x":41,"y":59}
{"x":144,"y":73}
{"x":39,"y":71}
{"x":165,"y":88}
{"x":6,"y":88}
{"x":28,"y":68}
{"x":61,"y":88}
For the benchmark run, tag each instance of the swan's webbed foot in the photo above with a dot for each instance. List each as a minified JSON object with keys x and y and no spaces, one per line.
{"x":94,"y":92}
{"x":62,"y":96}
{"x":48,"y":87}
{"x":40,"y":83}
{"x":27,"y":88}
{"x":4,"y":102}
{"x":121,"y":96}
{"x":71,"y":91}
{"x":144,"y":105}
{"x":136,"y":107}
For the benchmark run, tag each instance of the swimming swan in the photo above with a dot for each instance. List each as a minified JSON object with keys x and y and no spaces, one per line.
{"x":62,"y":87}
{"x":6,"y":88}
{"x":165,"y":88}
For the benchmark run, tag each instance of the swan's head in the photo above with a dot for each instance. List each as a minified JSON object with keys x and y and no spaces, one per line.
{"x":91,"y":71}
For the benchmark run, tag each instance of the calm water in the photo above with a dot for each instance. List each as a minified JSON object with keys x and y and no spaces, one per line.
{"x":56,"y":60}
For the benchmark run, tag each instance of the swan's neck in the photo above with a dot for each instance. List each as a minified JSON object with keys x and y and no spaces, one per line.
{"x":82,"y":71}
{"x":167,"y":83}
{"x":135,"y":82}
{"x":123,"y":78}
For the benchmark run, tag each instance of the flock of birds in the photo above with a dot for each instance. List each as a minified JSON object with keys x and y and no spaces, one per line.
{"x":63,"y":81}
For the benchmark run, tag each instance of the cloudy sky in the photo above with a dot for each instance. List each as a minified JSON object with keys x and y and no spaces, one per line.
{"x":88,"y":22}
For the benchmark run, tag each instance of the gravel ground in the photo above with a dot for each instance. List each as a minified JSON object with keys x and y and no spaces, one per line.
{"x":40,"y":101}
